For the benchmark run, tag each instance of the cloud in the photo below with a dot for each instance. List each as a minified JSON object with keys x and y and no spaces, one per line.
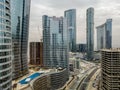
{"x":103,"y":9}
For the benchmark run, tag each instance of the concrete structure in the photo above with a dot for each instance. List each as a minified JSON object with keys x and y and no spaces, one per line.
{"x":36,"y":53}
{"x":110,"y":69}
{"x":20,"y":10}
{"x":55,"y":42}
{"x":50,"y":81}
{"x":5,"y":46}
{"x":71,"y":20}
{"x":74,"y":63}
{"x":81,"y":48}
{"x":104,"y":35}
{"x":77,"y":64}
{"x":90,"y":33}
{"x":71,"y":67}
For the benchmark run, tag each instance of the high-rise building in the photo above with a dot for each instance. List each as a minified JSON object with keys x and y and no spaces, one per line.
{"x":20,"y":10}
{"x":90,"y":33}
{"x":36,"y":53}
{"x":71,"y":20}
{"x":110,"y":69}
{"x":101,"y":37}
{"x":104,"y":35}
{"x":109,"y":33}
{"x":5,"y":46}
{"x":55,"y":42}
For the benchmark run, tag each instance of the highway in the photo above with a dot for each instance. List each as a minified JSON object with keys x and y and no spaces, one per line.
{"x":85,"y":79}
{"x":79,"y":81}
{"x":94,"y":81}
{"x":82,"y":80}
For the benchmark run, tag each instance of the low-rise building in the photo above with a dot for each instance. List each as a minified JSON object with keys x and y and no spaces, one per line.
{"x":50,"y":81}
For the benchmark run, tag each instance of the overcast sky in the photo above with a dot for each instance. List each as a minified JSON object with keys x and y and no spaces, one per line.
{"x":104,"y":9}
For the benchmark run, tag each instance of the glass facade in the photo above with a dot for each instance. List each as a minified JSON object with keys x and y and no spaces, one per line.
{"x":5,"y":45}
{"x":109,"y":33}
{"x":20,"y":29}
{"x":71,"y":20}
{"x":55,"y":42}
{"x":90,"y":33}
{"x":101,"y":37}
{"x":104,"y":35}
{"x":81,"y":48}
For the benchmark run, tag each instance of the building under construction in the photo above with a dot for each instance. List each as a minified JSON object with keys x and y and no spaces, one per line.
{"x":110,"y":69}
{"x":36,"y":53}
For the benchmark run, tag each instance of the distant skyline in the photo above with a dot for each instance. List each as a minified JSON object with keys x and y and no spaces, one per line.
{"x":104,"y":9}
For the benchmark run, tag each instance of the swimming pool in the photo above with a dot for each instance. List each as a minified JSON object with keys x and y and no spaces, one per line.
{"x":28,"y":79}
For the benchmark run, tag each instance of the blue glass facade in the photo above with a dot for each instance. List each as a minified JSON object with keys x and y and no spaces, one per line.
{"x":81,"y":48}
{"x":5,"y":45}
{"x":109,"y":33}
{"x":20,"y":31}
{"x":101,"y":37}
{"x":55,"y":42}
{"x":104,"y":35}
{"x":90,"y":33}
{"x":71,"y":20}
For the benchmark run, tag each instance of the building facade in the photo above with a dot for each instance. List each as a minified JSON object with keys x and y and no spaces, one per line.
{"x":5,"y":46}
{"x":20,"y":10}
{"x":36,"y":53}
{"x":101,"y":35}
{"x":71,"y":20}
{"x":55,"y":42}
{"x":104,"y":35}
{"x":50,"y":81}
{"x":90,"y":33}
{"x":81,"y":48}
{"x":109,"y":33}
{"x":110,"y":69}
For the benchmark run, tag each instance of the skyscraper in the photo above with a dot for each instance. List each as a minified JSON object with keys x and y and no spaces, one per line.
{"x":71,"y":20}
{"x":55,"y":42}
{"x":20,"y":10}
{"x":110,"y":72}
{"x":104,"y":35}
{"x":5,"y":46}
{"x":90,"y":33}
{"x":109,"y":33}
{"x":101,"y":37}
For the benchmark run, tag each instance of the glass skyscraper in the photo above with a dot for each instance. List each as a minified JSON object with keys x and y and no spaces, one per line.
{"x":55,"y":42}
{"x":71,"y":20}
{"x":101,"y":37}
{"x":109,"y":33}
{"x":20,"y":10}
{"x":104,"y":35}
{"x":90,"y":33}
{"x":5,"y":45}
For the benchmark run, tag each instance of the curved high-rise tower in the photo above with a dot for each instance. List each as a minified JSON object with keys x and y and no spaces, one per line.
{"x":90,"y":33}
{"x":70,"y":15}
{"x":5,"y":45}
{"x":20,"y":11}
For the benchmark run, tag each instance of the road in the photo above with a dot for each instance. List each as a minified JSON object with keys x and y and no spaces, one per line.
{"x":84,"y":82}
{"x":80,"y":79}
{"x":94,"y":81}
